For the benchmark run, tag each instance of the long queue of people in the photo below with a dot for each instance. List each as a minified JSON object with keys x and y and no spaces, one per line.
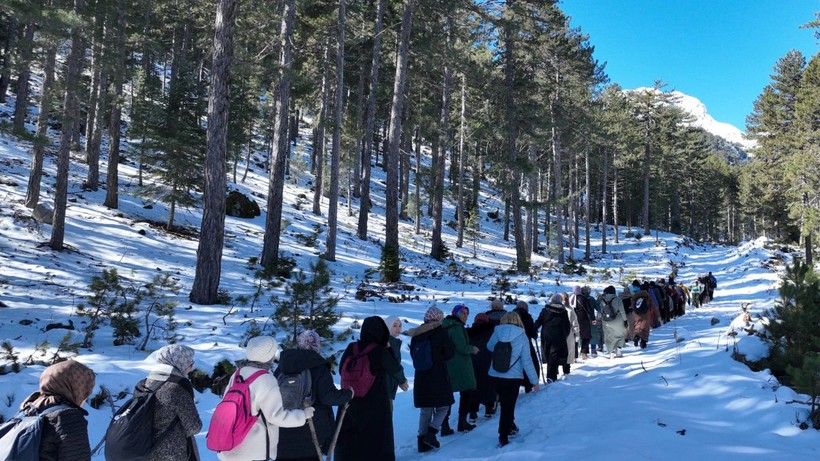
{"x":486,"y":364}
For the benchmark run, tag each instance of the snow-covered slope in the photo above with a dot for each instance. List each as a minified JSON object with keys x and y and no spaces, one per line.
{"x":697,"y":109}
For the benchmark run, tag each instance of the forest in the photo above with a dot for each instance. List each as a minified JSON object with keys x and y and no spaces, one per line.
{"x":501,"y":91}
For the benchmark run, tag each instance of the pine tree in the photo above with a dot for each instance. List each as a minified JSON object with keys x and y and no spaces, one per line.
{"x":308,"y":304}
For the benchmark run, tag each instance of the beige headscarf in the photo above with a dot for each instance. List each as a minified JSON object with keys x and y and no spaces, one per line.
{"x":65,"y":381}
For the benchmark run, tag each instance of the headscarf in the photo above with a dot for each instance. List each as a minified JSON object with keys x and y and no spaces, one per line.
{"x":309,"y":340}
{"x":497,"y":304}
{"x":433,"y":314}
{"x":65,"y":381}
{"x":178,"y":356}
{"x":459,"y":309}
{"x":374,"y":331}
{"x":481,"y":318}
{"x":576,"y":290}
{"x":389,"y":321}
{"x":610,"y":290}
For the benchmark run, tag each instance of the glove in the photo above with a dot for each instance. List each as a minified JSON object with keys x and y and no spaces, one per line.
{"x":309,"y":412}
{"x":626,"y":324}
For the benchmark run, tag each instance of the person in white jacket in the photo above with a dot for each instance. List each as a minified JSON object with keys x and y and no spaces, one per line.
{"x":261,"y":353}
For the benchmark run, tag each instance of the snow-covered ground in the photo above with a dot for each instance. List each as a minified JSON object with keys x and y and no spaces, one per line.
{"x":683,"y":397}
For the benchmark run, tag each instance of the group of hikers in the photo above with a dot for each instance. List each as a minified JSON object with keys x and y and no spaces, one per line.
{"x":486,"y":364}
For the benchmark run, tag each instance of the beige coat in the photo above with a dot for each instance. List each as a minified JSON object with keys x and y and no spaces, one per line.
{"x":573,"y":335}
{"x":265,"y":397}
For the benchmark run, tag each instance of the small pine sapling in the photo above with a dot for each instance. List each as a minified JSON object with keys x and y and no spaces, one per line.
{"x":109,"y":300}
{"x":159,"y":312}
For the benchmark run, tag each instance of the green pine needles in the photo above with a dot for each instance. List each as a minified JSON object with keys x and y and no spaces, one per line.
{"x":308,"y":303}
{"x":792,"y":331}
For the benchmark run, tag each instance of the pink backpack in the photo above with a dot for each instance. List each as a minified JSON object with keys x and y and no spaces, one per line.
{"x":232,"y":419}
{"x":356,"y":370}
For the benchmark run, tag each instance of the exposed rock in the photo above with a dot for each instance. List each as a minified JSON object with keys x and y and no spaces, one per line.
{"x":43,"y":214}
{"x":239,"y":205}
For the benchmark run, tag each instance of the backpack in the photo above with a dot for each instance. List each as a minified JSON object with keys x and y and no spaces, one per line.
{"x":130,"y":435}
{"x":296,"y":389}
{"x":232,"y":418}
{"x":422,"y":354}
{"x":641,"y":306}
{"x":502,"y":354}
{"x":356,"y":370}
{"x":20,"y":436}
{"x":608,"y":312}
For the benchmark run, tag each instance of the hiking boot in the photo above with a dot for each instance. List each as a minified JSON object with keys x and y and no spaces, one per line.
{"x":583,"y":356}
{"x":594,"y":354}
{"x":472,"y":417}
{"x":619,"y":353}
{"x":464,"y":426}
{"x":566,"y":369}
{"x":489,"y":411}
{"x":611,"y":355}
{"x":446,"y":429}
{"x":643,"y":344}
{"x":513,"y":430}
{"x":503,"y":440}
{"x":636,"y":341}
{"x":423,"y":447}
{"x":430,"y":438}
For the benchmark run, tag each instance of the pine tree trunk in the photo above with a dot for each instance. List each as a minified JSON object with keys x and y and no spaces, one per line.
{"x":205,"y":289}
{"x":507,"y":217}
{"x":70,"y":115}
{"x":391,"y":238}
{"x":112,"y":193}
{"x":5,"y":65}
{"x":532,"y":215}
{"x":615,"y":202}
{"x":280,"y":146}
{"x":356,"y":181}
{"x":41,"y":138}
{"x":605,"y":201}
{"x":436,"y":247}
{"x":95,"y":136}
{"x":364,"y":207}
{"x":97,"y":40}
{"x":319,"y":141}
{"x":587,"y":214}
{"x":559,"y":193}
{"x":24,"y":66}
{"x":646,"y":159}
{"x":417,"y":184}
{"x":461,"y":163}
{"x":404,"y":183}
{"x":333,"y":202}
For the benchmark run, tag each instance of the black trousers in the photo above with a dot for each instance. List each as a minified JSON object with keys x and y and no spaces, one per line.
{"x":507,"y":396}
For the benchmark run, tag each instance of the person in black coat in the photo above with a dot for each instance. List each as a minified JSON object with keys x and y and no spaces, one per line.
{"x":555,"y":327}
{"x":485,"y":394}
{"x":432,"y":391}
{"x":523,"y":311}
{"x":297,"y":443}
{"x":367,"y":428}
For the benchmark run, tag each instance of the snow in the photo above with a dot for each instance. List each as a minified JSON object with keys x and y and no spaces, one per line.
{"x":703,"y":119}
{"x":682,"y":398}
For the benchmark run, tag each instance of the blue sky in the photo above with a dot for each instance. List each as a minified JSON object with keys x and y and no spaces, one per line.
{"x":719,"y":51}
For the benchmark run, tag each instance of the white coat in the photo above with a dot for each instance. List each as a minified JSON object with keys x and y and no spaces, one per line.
{"x":265,"y":397}
{"x":574,"y":333}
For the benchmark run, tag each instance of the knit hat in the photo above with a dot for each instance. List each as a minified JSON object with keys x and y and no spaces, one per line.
{"x":521,"y":304}
{"x":178,"y":356}
{"x":576,"y":290}
{"x":262,"y":349}
{"x":497,"y":304}
{"x":557,"y":299}
{"x":481,"y":318}
{"x":459,"y":309}
{"x":433,"y":314}
{"x":309,"y":340}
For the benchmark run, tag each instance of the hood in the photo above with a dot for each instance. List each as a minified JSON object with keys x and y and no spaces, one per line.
{"x":295,"y":360}
{"x":479,"y":329}
{"x":508,"y":332}
{"x":422,"y":329}
{"x":374,"y":331}
{"x":608,"y":297}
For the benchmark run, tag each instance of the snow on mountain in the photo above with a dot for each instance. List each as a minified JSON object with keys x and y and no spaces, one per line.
{"x":697,"y":109}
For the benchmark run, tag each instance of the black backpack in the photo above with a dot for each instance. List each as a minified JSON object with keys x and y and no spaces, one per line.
{"x":608,"y":312}
{"x":20,"y":436}
{"x":421,"y":351}
{"x":502,"y":354}
{"x":641,"y":306}
{"x":130,"y":436}
{"x":296,"y":389}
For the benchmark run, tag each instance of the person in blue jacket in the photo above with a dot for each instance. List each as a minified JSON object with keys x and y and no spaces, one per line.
{"x":511,"y":330}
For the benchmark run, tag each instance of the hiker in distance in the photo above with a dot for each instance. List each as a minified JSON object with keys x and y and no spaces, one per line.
{"x":296,"y":444}
{"x":430,"y":349}
{"x":261,"y":441}
{"x":64,"y":389}
{"x":511,"y":359}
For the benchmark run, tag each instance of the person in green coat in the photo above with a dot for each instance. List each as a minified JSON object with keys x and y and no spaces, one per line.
{"x":460,"y":366}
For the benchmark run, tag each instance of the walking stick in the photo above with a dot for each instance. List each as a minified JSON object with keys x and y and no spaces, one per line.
{"x":314,"y":437}
{"x":336,"y":434}
{"x":540,"y":362}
